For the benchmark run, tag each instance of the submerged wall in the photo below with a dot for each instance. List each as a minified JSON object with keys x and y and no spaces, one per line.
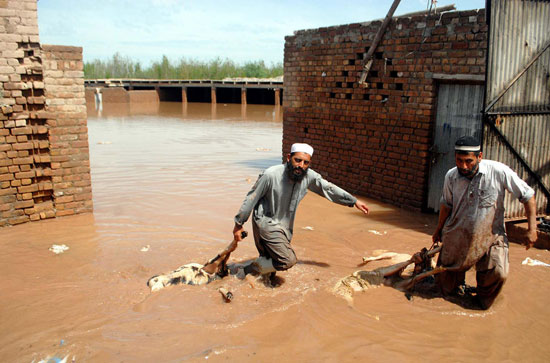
{"x":375,"y":140}
{"x":44,"y":159}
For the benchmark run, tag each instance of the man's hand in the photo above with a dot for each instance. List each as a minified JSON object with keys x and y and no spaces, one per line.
{"x":237,"y":232}
{"x":531,"y":238}
{"x":444,"y":212}
{"x":362,"y":206}
{"x":417,"y":258}
{"x":436,"y":237}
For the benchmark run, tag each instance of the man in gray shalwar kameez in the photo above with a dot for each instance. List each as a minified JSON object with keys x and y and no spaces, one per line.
{"x":471,"y":221}
{"x":274,"y":199}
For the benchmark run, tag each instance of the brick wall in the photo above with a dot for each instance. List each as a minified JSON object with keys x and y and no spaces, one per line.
{"x":68,"y":136}
{"x":375,"y":140}
{"x":36,"y":182}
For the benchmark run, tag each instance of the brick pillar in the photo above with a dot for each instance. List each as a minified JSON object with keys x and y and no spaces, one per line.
{"x":44,"y":162}
{"x":68,"y":131}
{"x":243,"y":96}
{"x":277,"y":96}
{"x":25,"y":173}
{"x":184,"y":95}
{"x":213,"y":95}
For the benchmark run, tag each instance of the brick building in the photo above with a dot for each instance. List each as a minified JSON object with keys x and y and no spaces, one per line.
{"x":375,"y":140}
{"x":44,"y":158}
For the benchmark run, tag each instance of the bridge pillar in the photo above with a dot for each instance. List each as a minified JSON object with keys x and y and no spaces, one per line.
{"x":243,"y":96}
{"x":213,"y":95}
{"x":157,"y":88}
{"x":213,"y":111}
{"x":184,"y":95}
{"x":243,"y":111}
{"x":277,"y":96}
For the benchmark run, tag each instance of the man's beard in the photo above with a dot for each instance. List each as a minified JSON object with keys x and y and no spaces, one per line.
{"x":292,"y":172}
{"x":468,"y":173}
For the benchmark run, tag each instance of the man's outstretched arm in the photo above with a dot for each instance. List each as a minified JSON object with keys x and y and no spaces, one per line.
{"x":531,"y":212}
{"x":336,"y":194}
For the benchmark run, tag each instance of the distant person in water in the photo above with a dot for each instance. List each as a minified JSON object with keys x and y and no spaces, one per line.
{"x":274,"y":199}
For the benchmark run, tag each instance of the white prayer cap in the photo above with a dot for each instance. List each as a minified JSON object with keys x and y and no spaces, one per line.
{"x":468,"y":144}
{"x":301,"y":148}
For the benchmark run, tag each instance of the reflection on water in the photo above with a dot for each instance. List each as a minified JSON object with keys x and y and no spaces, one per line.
{"x":170,"y":157}
{"x":219,"y":111}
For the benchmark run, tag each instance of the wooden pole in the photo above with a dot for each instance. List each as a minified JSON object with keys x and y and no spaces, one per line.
{"x":368,"y":58}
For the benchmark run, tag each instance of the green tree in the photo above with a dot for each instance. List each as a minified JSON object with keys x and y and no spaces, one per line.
{"x":123,"y":67}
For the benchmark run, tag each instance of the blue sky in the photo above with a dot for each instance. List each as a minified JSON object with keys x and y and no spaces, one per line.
{"x":240,"y":30}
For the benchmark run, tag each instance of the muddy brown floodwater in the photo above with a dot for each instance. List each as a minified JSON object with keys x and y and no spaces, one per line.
{"x":172,"y":178}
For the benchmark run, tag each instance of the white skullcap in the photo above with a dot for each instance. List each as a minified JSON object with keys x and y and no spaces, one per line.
{"x":467,"y":143}
{"x":301,"y":148}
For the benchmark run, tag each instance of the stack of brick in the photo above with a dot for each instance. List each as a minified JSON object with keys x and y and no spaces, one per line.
{"x":25,"y":176}
{"x":40,"y":176}
{"x":68,"y":136}
{"x":375,"y":140}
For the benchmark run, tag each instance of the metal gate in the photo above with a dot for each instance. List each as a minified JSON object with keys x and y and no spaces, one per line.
{"x":459,"y":109}
{"x":517,"y":104}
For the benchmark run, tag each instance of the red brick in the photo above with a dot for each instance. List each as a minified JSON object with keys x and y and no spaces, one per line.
{"x":21,"y":131}
{"x":64,"y":199}
{"x":67,"y":212}
{"x":27,"y":174}
{"x":24,"y":204}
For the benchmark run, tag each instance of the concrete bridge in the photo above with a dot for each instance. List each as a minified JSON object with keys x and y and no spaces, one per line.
{"x":244,"y":91}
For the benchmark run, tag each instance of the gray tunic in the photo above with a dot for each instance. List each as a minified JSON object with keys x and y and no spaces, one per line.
{"x":275,"y":197}
{"x":477,"y":211}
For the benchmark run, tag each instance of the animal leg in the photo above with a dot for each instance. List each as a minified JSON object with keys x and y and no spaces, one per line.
{"x":219,"y":262}
{"x":398,"y":267}
{"x":410,"y":282}
{"x":383,"y":256}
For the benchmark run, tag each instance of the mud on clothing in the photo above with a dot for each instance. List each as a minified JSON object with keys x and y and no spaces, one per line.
{"x":278,"y":249}
{"x":274,"y":199}
{"x":474,"y":233}
{"x":491,"y":273}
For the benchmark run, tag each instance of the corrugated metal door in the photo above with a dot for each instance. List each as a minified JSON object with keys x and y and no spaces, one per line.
{"x":517,"y":123}
{"x":458,"y":113}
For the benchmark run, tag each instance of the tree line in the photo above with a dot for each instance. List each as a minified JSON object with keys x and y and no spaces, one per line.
{"x":124,"y":67}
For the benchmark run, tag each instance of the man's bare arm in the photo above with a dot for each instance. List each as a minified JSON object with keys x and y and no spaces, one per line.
{"x":531,"y":212}
{"x":444,"y":213}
